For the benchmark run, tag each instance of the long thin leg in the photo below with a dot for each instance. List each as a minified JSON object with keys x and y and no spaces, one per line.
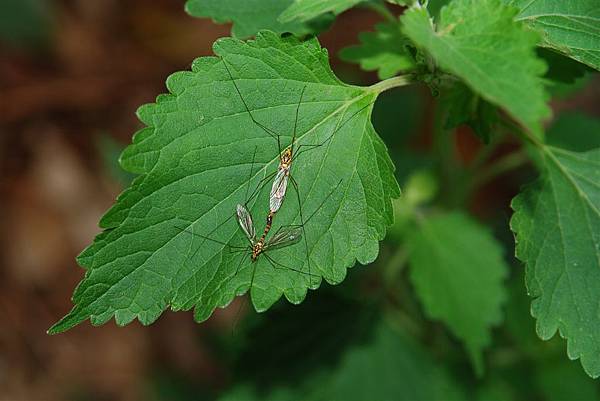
{"x":286,"y":226}
{"x":241,"y":263}
{"x":295,"y":185}
{"x":251,"y":170}
{"x":296,"y":119}
{"x":336,"y":129}
{"x":259,"y":187}
{"x":277,"y":265}
{"x":306,"y":147}
{"x":208,"y":238}
{"x":266,"y":129}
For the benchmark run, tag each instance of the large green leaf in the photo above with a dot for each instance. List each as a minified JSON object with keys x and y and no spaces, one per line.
{"x":479,"y":41}
{"x":557,"y":228}
{"x":383,"y":50}
{"x":305,"y":10}
{"x":195,"y":160}
{"x":458,"y":271}
{"x":570,"y":27}
{"x":248,"y":16}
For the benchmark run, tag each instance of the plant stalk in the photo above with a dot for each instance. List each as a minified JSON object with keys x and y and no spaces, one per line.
{"x":394,"y":82}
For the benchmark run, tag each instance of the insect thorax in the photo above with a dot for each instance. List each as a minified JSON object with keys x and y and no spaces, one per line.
{"x":286,"y":157}
{"x":257,"y":250}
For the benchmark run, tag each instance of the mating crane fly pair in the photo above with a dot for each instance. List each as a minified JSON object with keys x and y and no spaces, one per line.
{"x":286,"y":235}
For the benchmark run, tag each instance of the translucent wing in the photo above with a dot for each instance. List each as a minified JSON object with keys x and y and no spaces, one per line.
{"x":285,"y":236}
{"x":245,"y":220}
{"x":278,"y":189}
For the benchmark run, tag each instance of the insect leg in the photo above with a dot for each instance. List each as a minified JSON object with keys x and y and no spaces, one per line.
{"x":277,"y":265}
{"x":295,"y":185}
{"x":266,"y":129}
{"x":336,"y":129}
{"x":210,"y":239}
{"x":296,"y":119}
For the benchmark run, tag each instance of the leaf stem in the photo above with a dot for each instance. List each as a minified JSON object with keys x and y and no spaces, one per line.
{"x":394,"y":82}
{"x":509,"y":162}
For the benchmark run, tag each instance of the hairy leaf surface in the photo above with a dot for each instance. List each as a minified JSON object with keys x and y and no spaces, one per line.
{"x":570,"y":27}
{"x":458,"y":271}
{"x":201,"y":154}
{"x":479,"y":41}
{"x":557,"y":228}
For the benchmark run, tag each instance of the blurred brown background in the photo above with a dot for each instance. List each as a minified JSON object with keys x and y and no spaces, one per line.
{"x":72,"y":74}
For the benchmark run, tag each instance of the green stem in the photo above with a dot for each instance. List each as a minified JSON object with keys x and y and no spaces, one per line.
{"x":395,"y":265}
{"x":401,"y":80}
{"x":504,"y":164}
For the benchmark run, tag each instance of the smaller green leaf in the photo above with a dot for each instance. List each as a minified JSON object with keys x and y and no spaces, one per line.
{"x":570,"y":27}
{"x":251,"y":16}
{"x":305,"y":10}
{"x":384,"y":50}
{"x":479,"y":41}
{"x":557,"y":230}
{"x":465,"y":107}
{"x":561,"y":379}
{"x":562,"y":69}
{"x":575,"y":131}
{"x":457,"y":270}
{"x":435,"y":6}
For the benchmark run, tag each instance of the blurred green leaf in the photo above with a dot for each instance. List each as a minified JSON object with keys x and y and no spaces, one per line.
{"x":561,"y":68}
{"x":562,"y":380}
{"x":383,"y":50}
{"x":557,"y":227}
{"x":465,"y":107}
{"x":570,"y":27}
{"x":435,"y":6}
{"x":457,"y":270}
{"x":479,"y":42}
{"x":25,"y":22}
{"x":305,"y":10}
{"x":315,"y":335}
{"x":574,"y":131}
{"x":250,"y":16}
{"x":195,"y":159}
{"x":391,"y":366}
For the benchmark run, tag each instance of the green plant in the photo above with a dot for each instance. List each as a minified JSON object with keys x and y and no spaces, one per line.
{"x":488,"y":63}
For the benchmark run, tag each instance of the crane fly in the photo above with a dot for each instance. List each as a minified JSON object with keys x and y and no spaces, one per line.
{"x":285,"y":236}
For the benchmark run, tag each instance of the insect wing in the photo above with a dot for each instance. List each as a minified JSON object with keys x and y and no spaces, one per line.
{"x":278,"y":189}
{"x":284,"y":237}
{"x":245,"y":220}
